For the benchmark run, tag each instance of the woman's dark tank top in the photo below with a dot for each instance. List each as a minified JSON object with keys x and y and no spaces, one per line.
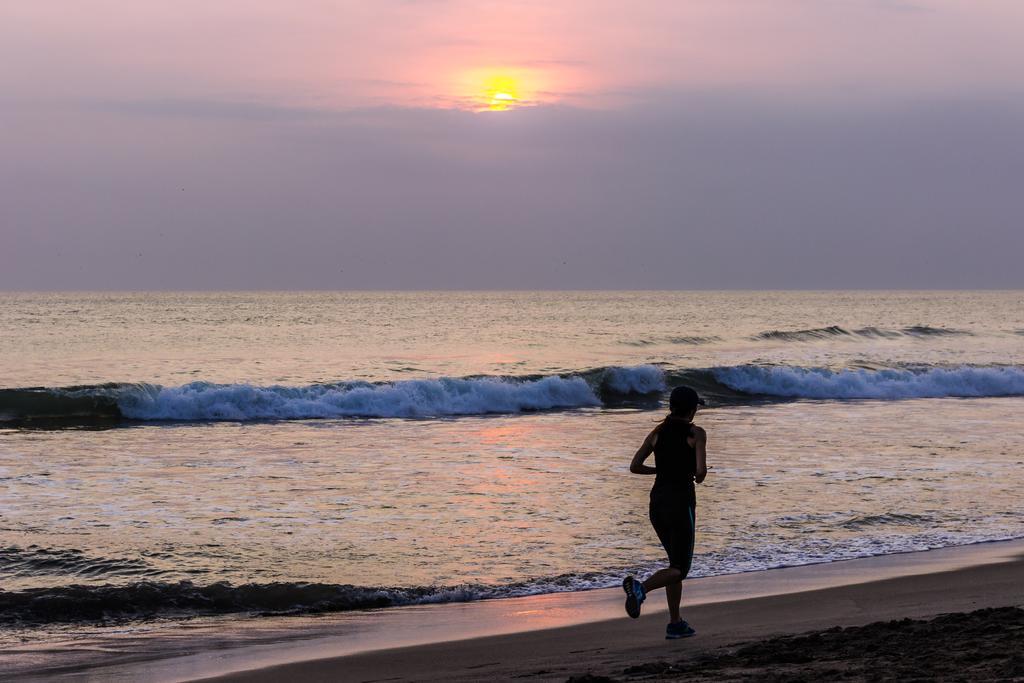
{"x":675,"y":461}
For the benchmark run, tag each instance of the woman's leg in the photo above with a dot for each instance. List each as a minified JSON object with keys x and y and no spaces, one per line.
{"x":662,"y":578}
{"x":674,"y":595}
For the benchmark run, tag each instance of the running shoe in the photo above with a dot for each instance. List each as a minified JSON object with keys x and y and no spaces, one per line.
{"x":635,"y":596}
{"x":679,"y":629}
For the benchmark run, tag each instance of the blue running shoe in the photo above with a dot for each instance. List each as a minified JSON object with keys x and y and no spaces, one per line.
{"x":635,"y":596}
{"x":679,"y":629}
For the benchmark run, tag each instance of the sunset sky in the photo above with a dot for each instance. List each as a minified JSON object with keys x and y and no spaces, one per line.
{"x":395,"y":144}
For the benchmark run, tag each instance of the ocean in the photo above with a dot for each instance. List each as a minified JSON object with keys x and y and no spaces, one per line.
{"x":170,"y":455}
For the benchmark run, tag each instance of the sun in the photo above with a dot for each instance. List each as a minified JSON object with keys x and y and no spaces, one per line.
{"x":501,"y":93}
{"x":502,"y":101}
{"x":501,"y":88}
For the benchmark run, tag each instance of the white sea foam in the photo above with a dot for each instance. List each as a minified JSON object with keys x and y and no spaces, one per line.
{"x":639,"y":379}
{"x":411,"y":398}
{"x":877,"y":384}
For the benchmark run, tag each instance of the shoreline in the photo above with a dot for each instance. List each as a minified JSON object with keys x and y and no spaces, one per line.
{"x":404,"y":642}
{"x":610,"y":647}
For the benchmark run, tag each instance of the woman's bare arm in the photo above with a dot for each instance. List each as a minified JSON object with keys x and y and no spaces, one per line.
{"x":638,"y":466}
{"x":700,"y":444}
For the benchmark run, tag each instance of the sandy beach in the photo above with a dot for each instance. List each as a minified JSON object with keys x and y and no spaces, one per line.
{"x":622,"y":648}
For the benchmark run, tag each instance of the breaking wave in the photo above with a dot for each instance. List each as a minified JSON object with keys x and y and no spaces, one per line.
{"x":416,"y":398}
{"x":642,"y":385}
{"x":819,"y":383}
{"x":411,"y":398}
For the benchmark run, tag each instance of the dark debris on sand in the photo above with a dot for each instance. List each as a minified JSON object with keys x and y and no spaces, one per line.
{"x":985,"y":645}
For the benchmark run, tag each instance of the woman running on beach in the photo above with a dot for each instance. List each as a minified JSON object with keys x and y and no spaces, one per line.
{"x":680,"y":458}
